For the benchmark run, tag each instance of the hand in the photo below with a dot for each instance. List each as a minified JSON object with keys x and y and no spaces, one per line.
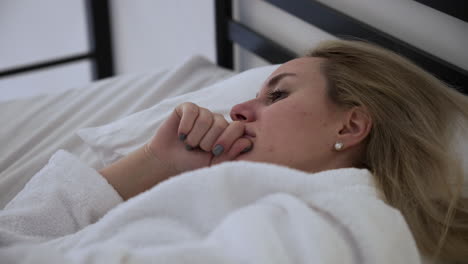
{"x":211,"y":139}
{"x":193,"y":137}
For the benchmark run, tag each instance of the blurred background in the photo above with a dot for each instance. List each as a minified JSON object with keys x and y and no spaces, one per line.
{"x":145,"y":34}
{"x":153,"y":34}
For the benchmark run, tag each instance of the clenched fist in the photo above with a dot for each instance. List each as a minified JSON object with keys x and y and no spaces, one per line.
{"x":193,"y":137}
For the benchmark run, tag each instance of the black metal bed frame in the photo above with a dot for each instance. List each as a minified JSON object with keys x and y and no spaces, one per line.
{"x":230,"y":32}
{"x":99,"y":34}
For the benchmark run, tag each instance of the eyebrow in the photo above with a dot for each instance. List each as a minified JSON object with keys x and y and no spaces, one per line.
{"x":274,"y":80}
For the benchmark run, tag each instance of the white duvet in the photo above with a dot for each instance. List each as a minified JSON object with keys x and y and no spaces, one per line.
{"x":236,"y":212}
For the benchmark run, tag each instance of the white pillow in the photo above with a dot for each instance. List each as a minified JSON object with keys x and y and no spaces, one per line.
{"x":115,"y":140}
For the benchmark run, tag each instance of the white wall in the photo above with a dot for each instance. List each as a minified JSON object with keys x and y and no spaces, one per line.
{"x":147,"y":34}
{"x":143,"y":40}
{"x":32,"y":31}
{"x":160,"y":33}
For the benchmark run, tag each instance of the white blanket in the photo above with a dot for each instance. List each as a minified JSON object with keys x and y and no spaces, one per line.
{"x":235,"y":212}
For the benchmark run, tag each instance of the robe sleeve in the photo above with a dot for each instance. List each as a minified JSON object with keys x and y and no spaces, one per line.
{"x":62,"y":198}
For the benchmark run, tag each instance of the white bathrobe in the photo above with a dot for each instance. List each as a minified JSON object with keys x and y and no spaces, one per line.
{"x":235,"y":212}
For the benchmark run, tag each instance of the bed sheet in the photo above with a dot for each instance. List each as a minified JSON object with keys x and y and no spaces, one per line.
{"x":33,"y":129}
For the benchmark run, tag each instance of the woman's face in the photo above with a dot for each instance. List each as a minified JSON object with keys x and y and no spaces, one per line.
{"x":291,"y":121}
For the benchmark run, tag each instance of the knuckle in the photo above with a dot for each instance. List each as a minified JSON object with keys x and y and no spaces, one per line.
{"x":204,"y":122}
{"x":188,"y":104}
{"x":203,"y":109}
{"x":206,"y":119}
{"x":219,"y":123}
{"x":219,"y":127}
{"x":219,"y":116}
{"x":191,"y":107}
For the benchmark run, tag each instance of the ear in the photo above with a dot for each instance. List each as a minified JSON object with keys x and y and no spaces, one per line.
{"x":357,"y":124}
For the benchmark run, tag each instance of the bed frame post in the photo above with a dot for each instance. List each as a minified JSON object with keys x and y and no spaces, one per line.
{"x":224,"y":46}
{"x":99,"y":28}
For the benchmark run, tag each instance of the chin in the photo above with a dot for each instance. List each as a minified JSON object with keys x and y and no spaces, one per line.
{"x":240,"y":157}
{"x":249,"y":156}
{"x":244,"y":156}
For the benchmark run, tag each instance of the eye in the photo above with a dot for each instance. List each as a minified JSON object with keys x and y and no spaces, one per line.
{"x":276,"y":95}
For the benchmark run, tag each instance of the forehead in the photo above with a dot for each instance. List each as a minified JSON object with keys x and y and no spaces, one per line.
{"x":306,"y":73}
{"x":305,"y":70}
{"x":305,"y":66}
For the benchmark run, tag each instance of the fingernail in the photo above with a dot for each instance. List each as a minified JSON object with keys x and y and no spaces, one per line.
{"x":182,"y":137}
{"x":188,"y":147}
{"x":247,"y":149}
{"x":218,"y":149}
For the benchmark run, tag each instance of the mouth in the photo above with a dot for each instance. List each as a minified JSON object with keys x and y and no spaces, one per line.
{"x":249,"y":134}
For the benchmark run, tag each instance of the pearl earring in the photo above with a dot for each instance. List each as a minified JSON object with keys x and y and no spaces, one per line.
{"x":338,"y":146}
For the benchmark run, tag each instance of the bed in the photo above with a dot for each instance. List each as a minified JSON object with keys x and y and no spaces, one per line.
{"x":34,"y":128}
{"x":109,"y":118}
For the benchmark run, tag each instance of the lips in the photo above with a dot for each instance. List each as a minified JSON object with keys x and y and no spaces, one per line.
{"x":249,"y":133}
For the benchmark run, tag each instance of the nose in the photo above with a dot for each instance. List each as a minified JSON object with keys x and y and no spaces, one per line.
{"x":242,"y":112}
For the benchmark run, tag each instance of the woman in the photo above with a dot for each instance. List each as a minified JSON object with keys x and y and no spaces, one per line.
{"x":344,"y":105}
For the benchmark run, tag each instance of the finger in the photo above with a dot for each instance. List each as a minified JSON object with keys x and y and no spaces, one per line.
{"x":216,"y":129}
{"x":200,"y":127}
{"x":240,"y":146}
{"x":223,"y":144}
{"x":188,"y":113}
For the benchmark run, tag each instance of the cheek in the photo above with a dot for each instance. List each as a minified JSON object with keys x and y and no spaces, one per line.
{"x":285,"y":128}
{"x":294,"y":128}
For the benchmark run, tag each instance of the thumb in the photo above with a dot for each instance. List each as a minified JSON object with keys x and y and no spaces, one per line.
{"x":166,"y":134}
{"x":171,"y":124}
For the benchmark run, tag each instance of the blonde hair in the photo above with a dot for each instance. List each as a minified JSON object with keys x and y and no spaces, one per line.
{"x":408,"y":149}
